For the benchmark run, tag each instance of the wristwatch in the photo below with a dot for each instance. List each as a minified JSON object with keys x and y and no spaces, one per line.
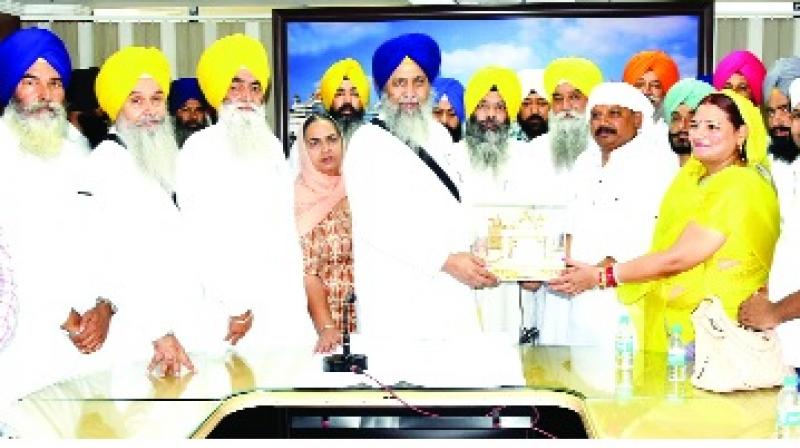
{"x":110,"y":304}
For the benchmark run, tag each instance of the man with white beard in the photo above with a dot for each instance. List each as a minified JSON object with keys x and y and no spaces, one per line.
{"x":236,"y":197}
{"x":493,"y":169}
{"x":48,"y":224}
{"x":617,"y":195}
{"x":567,"y":82}
{"x":412,"y":268}
{"x":132,"y":175}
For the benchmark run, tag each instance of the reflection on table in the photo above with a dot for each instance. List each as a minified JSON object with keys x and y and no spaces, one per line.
{"x":125,"y":402}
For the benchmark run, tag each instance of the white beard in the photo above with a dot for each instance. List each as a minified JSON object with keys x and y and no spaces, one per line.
{"x":569,"y":137}
{"x":249,"y":133}
{"x":488,"y":149}
{"x":410,"y":127}
{"x":154,"y":150}
{"x":40,"y":134}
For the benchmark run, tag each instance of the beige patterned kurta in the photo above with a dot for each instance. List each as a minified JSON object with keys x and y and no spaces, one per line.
{"x":328,"y":254}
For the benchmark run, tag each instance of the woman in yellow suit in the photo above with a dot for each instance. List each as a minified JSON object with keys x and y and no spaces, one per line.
{"x":715,"y":234}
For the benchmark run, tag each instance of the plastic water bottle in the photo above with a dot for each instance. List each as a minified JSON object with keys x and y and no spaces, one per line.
{"x":623,"y":344}
{"x":788,"y":416}
{"x":676,"y":356}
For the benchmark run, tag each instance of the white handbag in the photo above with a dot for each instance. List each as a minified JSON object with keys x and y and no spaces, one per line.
{"x":729,"y":357}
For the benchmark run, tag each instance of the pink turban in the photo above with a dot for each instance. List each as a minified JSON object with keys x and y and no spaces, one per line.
{"x":747,"y":65}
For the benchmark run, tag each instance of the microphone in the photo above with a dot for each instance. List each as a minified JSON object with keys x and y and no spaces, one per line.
{"x":346,"y":361}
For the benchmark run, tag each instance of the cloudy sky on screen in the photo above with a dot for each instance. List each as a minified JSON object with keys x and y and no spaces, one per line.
{"x":517,"y":43}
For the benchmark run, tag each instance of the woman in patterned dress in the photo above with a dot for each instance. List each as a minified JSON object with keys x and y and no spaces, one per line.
{"x":322,"y":215}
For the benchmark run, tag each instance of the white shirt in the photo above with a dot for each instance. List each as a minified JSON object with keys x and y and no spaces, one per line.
{"x":613,"y":214}
{"x":51,"y":233}
{"x":782,"y":282}
{"x":239,"y":215}
{"x":786,"y":177}
{"x":157,"y":290}
{"x":405,"y":225}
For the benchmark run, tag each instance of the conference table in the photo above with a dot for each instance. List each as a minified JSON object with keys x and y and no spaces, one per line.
{"x":246,"y":390}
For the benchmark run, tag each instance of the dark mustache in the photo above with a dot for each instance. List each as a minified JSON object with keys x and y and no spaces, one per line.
{"x":604,"y":130}
{"x":780,"y":128}
{"x":347,"y":107}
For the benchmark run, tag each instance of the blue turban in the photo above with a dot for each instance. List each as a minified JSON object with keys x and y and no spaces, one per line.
{"x":21,"y":49}
{"x":421,"y":48}
{"x":687,"y":91}
{"x":781,"y":76}
{"x":454,"y":92}
{"x":183,"y":90}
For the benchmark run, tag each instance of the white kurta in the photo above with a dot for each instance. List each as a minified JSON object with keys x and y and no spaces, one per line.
{"x":783,"y":281}
{"x":551,"y":310}
{"x":786,"y":177}
{"x":157,"y":289}
{"x":518,"y":182}
{"x":613,"y":214}
{"x":239,"y":215}
{"x":50,"y":231}
{"x":405,"y":225}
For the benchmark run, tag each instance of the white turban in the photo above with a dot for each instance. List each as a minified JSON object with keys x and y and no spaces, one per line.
{"x":620,"y":94}
{"x":794,"y":92}
{"x":532,"y":79}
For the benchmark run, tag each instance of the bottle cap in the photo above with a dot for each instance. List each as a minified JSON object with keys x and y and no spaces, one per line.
{"x":677,"y":329}
{"x":624,"y":319}
{"x":790,"y":381}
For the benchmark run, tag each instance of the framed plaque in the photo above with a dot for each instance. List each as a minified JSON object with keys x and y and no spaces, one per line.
{"x":520,"y":243}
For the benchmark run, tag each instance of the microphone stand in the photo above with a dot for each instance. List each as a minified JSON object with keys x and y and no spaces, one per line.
{"x":346,"y":361}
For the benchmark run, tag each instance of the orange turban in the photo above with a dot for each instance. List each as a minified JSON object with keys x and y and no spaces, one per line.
{"x":656,"y":60}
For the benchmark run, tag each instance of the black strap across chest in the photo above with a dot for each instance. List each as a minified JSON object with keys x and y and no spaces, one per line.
{"x":427,"y":159}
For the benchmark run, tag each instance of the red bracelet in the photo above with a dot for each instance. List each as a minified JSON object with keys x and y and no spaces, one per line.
{"x":611,"y":281}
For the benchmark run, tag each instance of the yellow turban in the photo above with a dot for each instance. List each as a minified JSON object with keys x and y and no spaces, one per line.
{"x":335,"y":74}
{"x":481,"y":83}
{"x":122,"y":70}
{"x":582,"y":73}
{"x":220,"y":62}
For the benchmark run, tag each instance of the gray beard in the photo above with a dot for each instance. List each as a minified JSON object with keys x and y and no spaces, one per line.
{"x":568,"y":138}
{"x":488,"y":149}
{"x":410,"y":127}
{"x":249,"y":133}
{"x":40,"y":135}
{"x":154,"y":150}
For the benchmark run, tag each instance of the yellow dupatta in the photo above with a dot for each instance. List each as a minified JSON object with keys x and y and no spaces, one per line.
{"x":656,"y":304}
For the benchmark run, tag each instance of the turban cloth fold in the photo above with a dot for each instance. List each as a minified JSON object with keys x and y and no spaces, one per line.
{"x":183,"y":90}
{"x":507,"y":85}
{"x":21,"y":49}
{"x":532,"y":81}
{"x":454,"y":91}
{"x":687,"y":91}
{"x":332,"y":79}
{"x":620,"y":94}
{"x":747,"y":65}
{"x":220,"y":62}
{"x":123,"y":69}
{"x":794,"y":92}
{"x":656,"y":60}
{"x":420,"y":48}
{"x":581,"y":73}
{"x":781,"y":76}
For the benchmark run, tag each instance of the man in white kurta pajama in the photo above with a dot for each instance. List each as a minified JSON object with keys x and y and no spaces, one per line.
{"x":495,"y":169}
{"x":236,"y":198}
{"x":48,"y":224}
{"x":131,"y":175}
{"x":618,"y":191}
{"x":412,"y":270}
